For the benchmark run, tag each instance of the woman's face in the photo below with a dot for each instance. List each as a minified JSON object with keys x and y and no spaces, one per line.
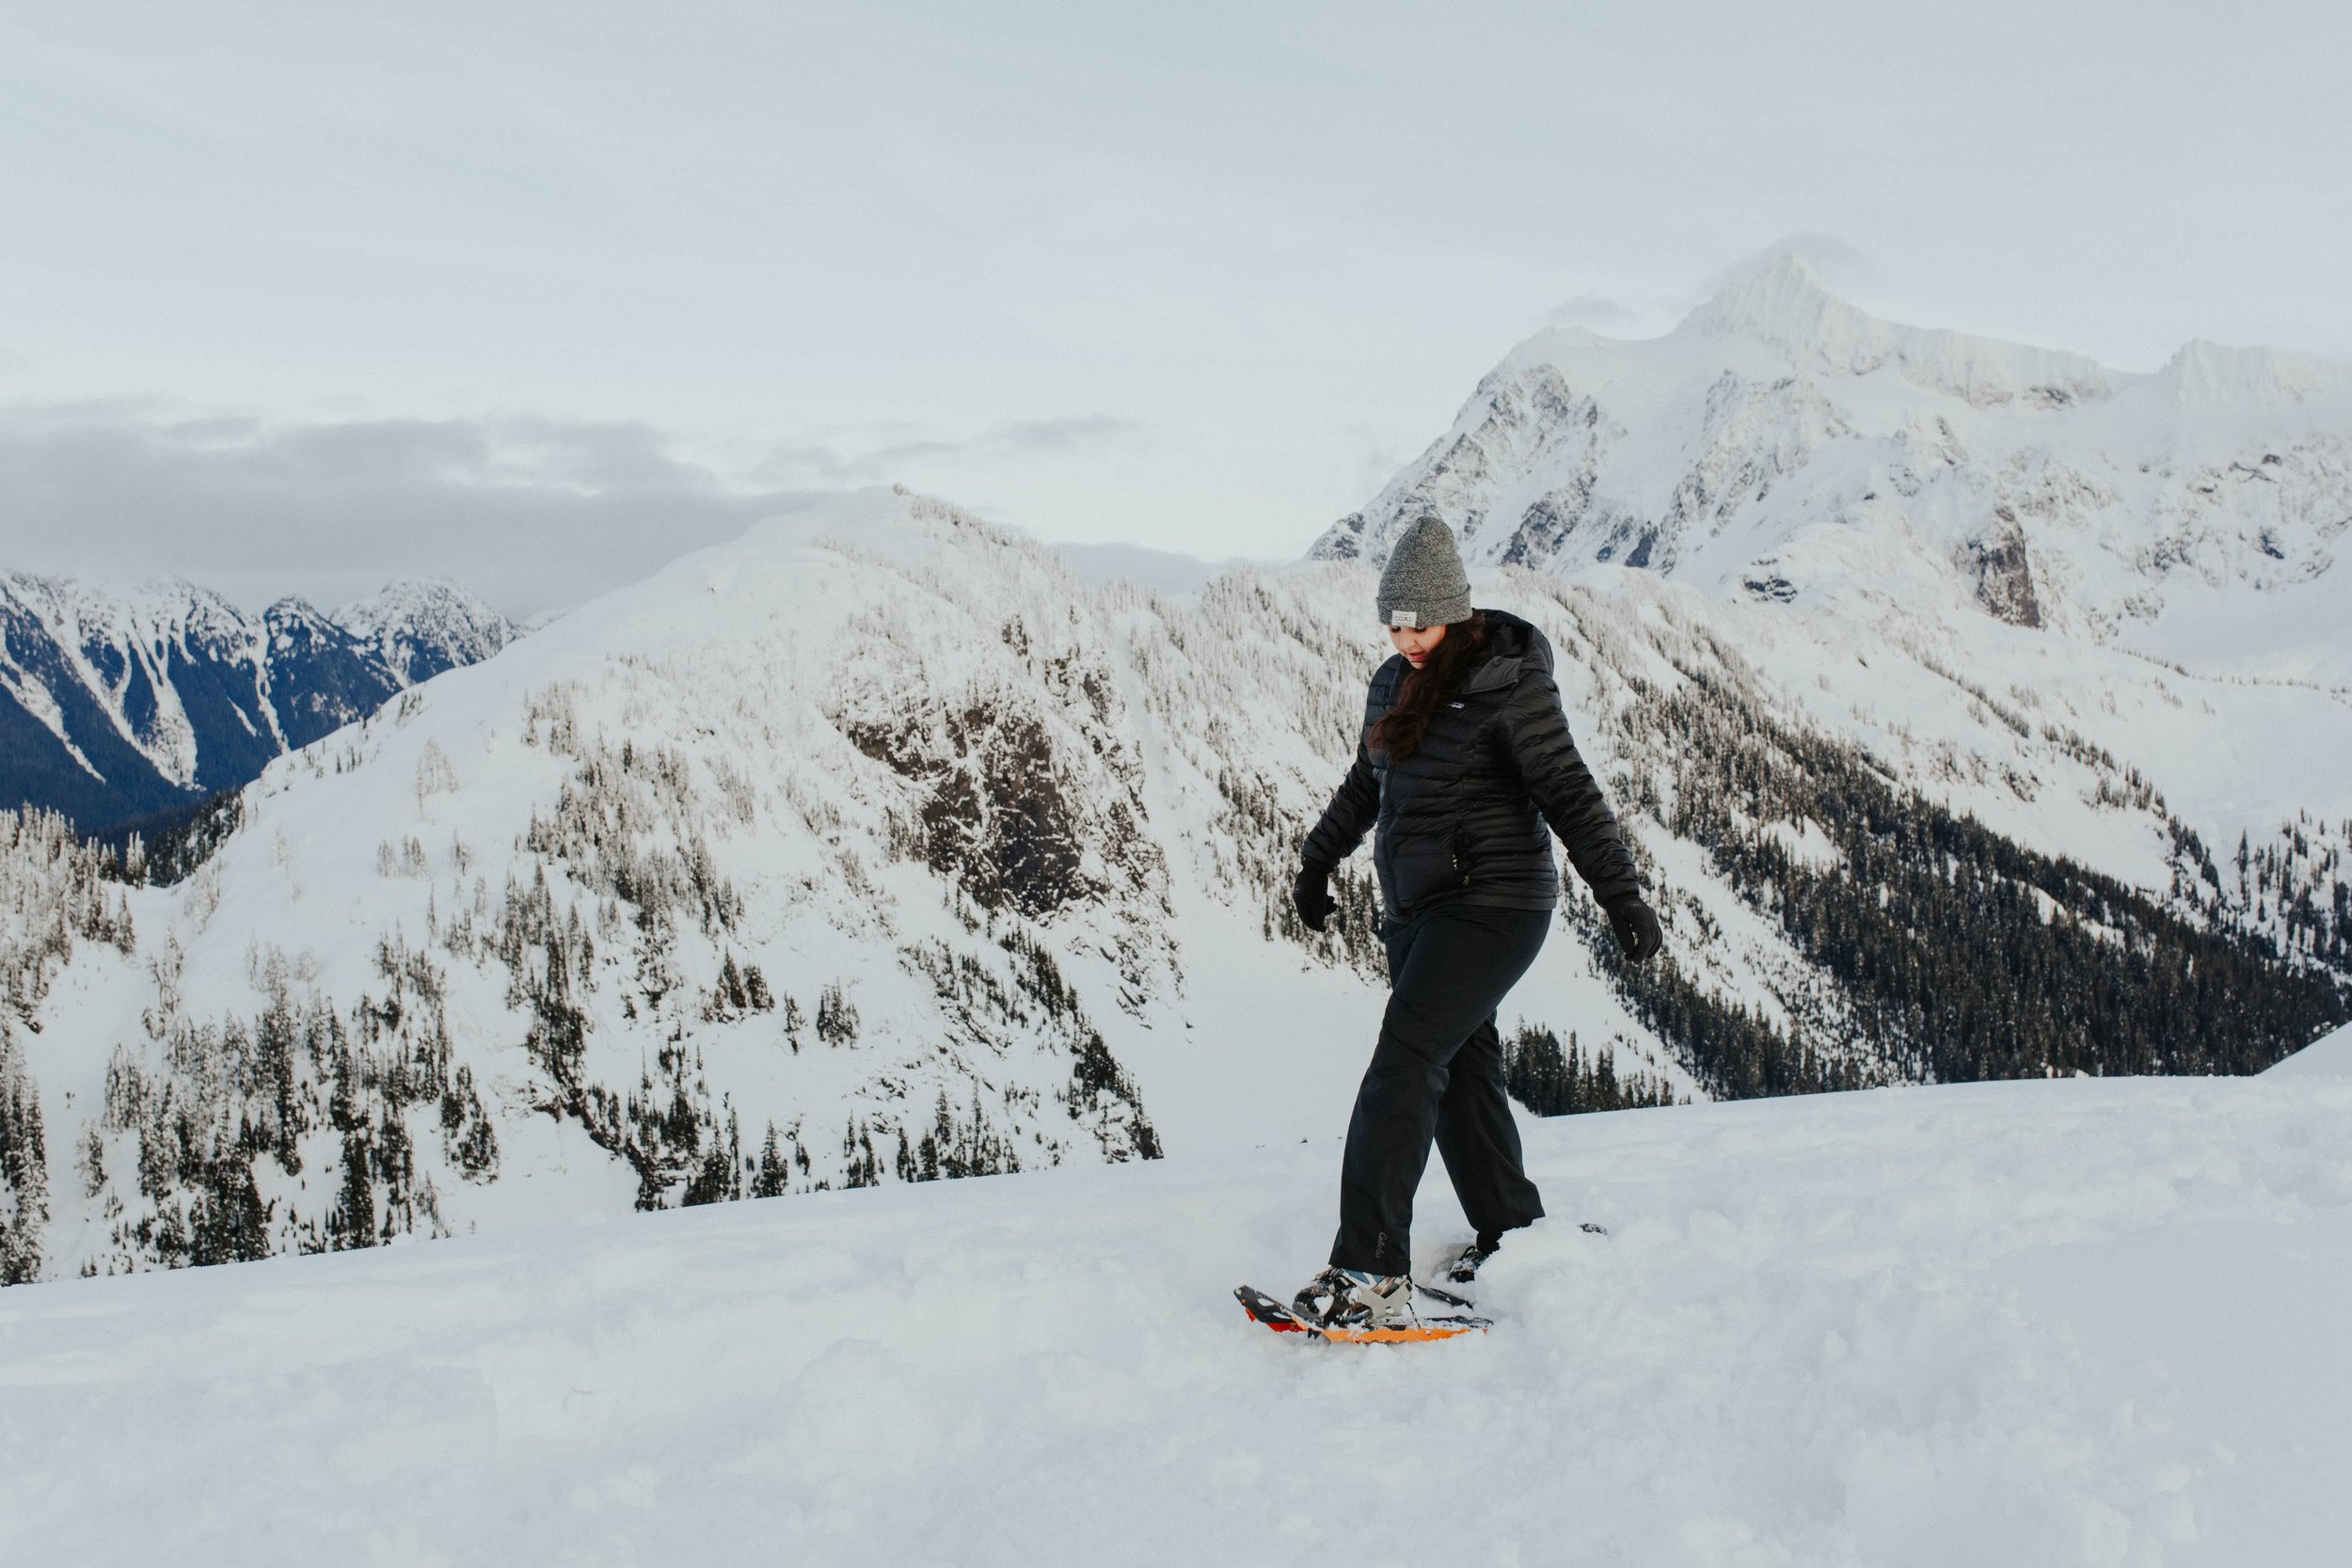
{"x":1414,"y":642}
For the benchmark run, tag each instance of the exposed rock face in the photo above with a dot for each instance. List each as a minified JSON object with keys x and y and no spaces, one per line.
{"x":2004,"y":575}
{"x":1024,"y":808}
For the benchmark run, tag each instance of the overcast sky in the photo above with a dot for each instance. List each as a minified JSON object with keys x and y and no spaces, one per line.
{"x":297,"y":297}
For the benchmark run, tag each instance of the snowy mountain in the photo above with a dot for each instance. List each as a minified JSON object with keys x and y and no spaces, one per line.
{"x":877,"y":845}
{"x":117,"y":706}
{"x":2077,"y":1324}
{"x":419,"y":628}
{"x":1783,"y":445}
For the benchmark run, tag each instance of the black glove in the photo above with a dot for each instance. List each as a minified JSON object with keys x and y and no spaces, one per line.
{"x":1636,"y":927}
{"x":1311,"y":895}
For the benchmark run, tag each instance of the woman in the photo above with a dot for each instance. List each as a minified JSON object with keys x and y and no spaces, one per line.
{"x":1464,"y":761}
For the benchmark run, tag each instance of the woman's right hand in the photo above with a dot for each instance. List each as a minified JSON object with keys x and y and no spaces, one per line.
{"x":1311,"y":895}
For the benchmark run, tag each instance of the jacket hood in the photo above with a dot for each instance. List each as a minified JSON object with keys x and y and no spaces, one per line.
{"x":1516,"y":646}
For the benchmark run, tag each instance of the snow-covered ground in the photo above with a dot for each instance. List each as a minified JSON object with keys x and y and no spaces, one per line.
{"x":2049,"y":1322}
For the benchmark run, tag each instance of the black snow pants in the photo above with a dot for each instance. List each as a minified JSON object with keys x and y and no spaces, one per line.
{"x":1436,"y":1073}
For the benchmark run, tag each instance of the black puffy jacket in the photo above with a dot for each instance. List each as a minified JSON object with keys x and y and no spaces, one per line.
{"x":1463,"y":820}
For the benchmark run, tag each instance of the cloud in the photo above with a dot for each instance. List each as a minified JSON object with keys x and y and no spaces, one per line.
{"x":1087,"y":430}
{"x":531,"y":513}
{"x":1593,"y":310}
{"x":876,"y":454}
{"x":1376,"y":455}
{"x":1166,"y":571}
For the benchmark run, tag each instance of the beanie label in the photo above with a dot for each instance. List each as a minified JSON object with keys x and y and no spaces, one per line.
{"x":1404,"y":618}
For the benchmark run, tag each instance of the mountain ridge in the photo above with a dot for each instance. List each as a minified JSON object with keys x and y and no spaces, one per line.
{"x":120,"y":703}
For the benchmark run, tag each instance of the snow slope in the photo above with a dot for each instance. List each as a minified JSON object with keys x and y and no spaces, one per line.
{"x":2051,"y":1323}
{"x":2329,"y":1057}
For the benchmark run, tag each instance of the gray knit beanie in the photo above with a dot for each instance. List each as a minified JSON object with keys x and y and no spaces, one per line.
{"x":1423,"y":583}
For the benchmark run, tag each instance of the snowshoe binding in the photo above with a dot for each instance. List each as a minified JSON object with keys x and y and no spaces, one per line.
{"x":1348,"y":1306}
{"x":1350,"y":1298}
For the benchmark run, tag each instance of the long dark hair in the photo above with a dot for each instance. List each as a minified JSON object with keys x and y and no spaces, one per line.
{"x":1462,"y":649}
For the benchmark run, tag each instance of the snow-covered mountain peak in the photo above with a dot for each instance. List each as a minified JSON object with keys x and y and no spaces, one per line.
{"x":420,"y":626}
{"x":293,"y":610}
{"x":156,"y":608}
{"x":406,"y":600}
{"x":1784,"y":299}
{"x":786,"y":575}
{"x":1786,"y":304}
{"x":1785,"y":444}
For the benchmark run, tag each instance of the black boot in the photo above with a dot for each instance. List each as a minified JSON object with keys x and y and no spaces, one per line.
{"x":1463,"y":1270}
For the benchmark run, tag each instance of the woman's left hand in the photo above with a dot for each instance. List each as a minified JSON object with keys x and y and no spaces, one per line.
{"x":1636,"y":927}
